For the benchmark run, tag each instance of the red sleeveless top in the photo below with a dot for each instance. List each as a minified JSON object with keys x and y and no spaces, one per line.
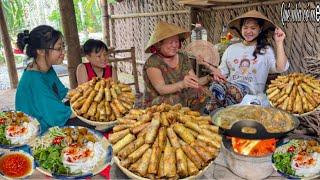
{"x":107,"y":73}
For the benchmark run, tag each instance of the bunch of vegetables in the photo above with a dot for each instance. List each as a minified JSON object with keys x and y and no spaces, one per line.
{"x":49,"y":157}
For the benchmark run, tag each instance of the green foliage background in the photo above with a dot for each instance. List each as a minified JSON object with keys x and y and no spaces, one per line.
{"x":88,"y":17}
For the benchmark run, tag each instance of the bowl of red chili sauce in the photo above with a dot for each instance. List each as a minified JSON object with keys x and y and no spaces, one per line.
{"x":16,"y":165}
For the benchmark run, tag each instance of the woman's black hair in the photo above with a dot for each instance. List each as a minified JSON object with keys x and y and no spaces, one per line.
{"x":93,"y":45}
{"x":41,"y":37}
{"x":262,"y":42}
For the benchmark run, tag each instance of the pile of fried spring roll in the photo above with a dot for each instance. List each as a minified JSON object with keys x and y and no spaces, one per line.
{"x":102,"y":100}
{"x":165,"y":141}
{"x":296,"y":93}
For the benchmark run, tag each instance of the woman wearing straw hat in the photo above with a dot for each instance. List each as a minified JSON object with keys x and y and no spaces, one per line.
{"x":167,"y":73}
{"x":247,"y":64}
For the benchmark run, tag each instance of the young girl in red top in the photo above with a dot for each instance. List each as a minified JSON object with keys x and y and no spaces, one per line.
{"x":96,"y":53}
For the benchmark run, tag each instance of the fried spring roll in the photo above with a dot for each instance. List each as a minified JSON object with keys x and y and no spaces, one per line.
{"x":204,"y":155}
{"x":213,"y":151}
{"x":75,"y":97}
{"x":160,"y":173}
{"x":115,"y":110}
{"x":126,"y":121}
{"x":211,"y":135}
{"x":137,"y":112}
{"x":154,"y":160}
{"x":183,"y":133}
{"x":117,"y":89}
{"x":119,"y":106}
{"x":193,"y":155}
{"x":142,"y":133}
{"x":125,"y":99}
{"x":274,"y":93}
{"x":128,"y":106}
{"x":162,"y":138}
{"x":121,"y":127}
{"x":135,"y":165}
{"x":270,"y":90}
{"x":164,"y":120}
{"x":133,"y":157}
{"x":93,"y":109}
{"x":87,"y":103}
{"x":297,"y":107}
{"x":99,"y":96}
{"x":311,"y":100}
{"x":108,"y":108}
{"x":113,"y":138}
{"x":194,"y":133}
{"x":173,"y":138}
{"x":123,"y":142}
{"x":182,"y":164}
{"x":97,"y":86}
{"x":132,"y":116}
{"x":107,"y":94}
{"x":209,"y":141}
{"x":306,"y":88}
{"x":97,"y":116}
{"x":87,"y":93}
{"x":145,"y":117}
{"x":130,"y":148}
{"x":192,"y":168}
{"x":101,"y":108}
{"x":139,"y":128}
{"x":126,"y":89}
{"x":169,"y":166}
{"x":152,"y":133}
{"x":193,"y":126}
{"x":113,"y":93}
{"x":78,"y":103}
{"x":112,"y":117}
{"x":144,"y":164}
{"x":213,"y":129}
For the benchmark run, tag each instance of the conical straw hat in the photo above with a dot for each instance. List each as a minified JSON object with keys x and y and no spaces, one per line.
{"x":165,"y":30}
{"x":235,"y":26}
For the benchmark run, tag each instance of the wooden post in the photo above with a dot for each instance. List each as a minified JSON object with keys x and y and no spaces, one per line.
{"x":8,"y":50}
{"x":111,"y":27}
{"x":105,"y":22}
{"x":70,"y":31}
{"x":134,"y":69}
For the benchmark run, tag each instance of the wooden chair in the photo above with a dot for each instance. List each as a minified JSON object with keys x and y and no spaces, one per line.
{"x":115,"y":59}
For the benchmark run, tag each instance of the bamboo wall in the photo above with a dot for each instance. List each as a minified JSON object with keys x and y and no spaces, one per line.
{"x":302,"y":39}
{"x":301,"y":44}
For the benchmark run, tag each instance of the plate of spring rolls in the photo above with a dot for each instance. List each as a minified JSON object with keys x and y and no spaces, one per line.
{"x":164,"y":141}
{"x":296,"y":93}
{"x":101,"y":101}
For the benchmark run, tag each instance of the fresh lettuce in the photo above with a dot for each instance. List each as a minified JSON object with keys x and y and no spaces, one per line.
{"x":50,"y":159}
{"x":3,"y":139}
{"x":282,"y":162}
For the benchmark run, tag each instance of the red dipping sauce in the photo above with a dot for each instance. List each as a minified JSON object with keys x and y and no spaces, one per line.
{"x":15,"y":165}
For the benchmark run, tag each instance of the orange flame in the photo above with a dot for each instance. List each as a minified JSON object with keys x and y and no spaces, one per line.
{"x":253,"y":147}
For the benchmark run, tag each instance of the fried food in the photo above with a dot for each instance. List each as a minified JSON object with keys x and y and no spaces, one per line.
{"x":296,"y":93}
{"x":102,"y":100}
{"x":170,"y":142}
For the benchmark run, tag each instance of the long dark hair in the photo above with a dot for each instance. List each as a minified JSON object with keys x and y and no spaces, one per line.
{"x":41,"y":37}
{"x":262,"y":41}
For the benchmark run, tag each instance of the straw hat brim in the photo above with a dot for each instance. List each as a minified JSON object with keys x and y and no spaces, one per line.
{"x":268,"y":27}
{"x":165,"y":30}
